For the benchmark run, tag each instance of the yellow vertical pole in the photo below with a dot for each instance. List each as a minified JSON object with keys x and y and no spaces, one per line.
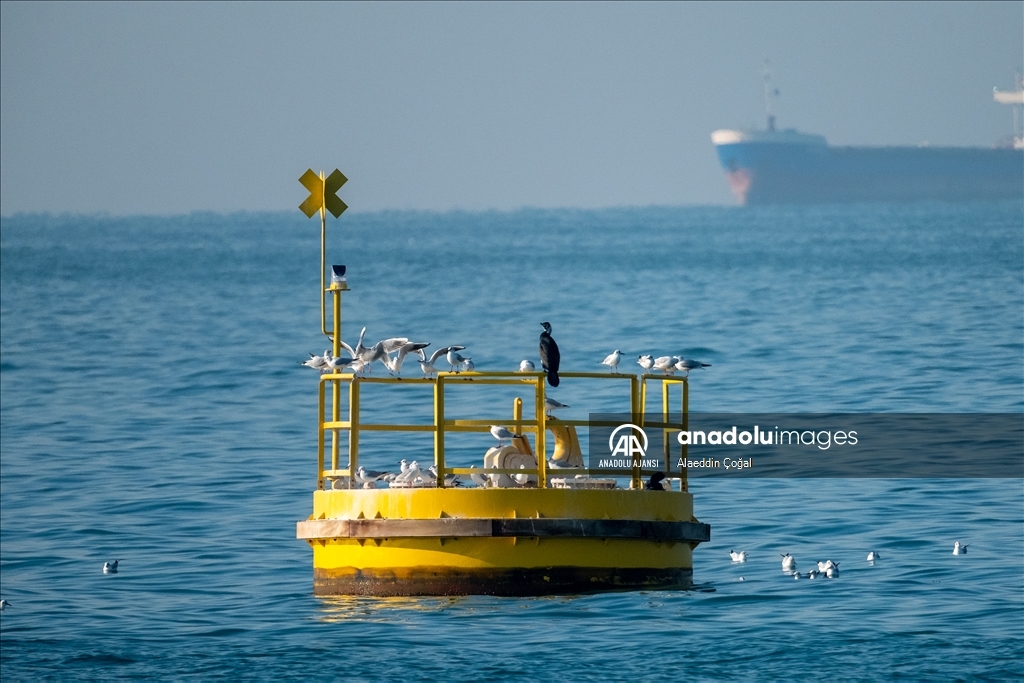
{"x":643,"y":401}
{"x":323,"y":266}
{"x":517,"y":415}
{"x":666,"y":446}
{"x":542,"y":428}
{"x":336,"y":384}
{"x":353,"y":432}
{"x":439,"y":429}
{"x":634,"y":400}
{"x":320,"y":441}
{"x":684,"y":484}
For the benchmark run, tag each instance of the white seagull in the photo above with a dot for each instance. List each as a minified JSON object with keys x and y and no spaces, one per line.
{"x":411,"y":473}
{"x":110,"y":568}
{"x":646,"y":362}
{"x":684,"y":365}
{"x":740,"y":556}
{"x":872,"y":556}
{"x":526,"y":366}
{"x":368,"y":477}
{"x":467,"y":365}
{"x":394,"y":365}
{"x":551,"y":405}
{"x":521,"y":479}
{"x":788,"y":562}
{"x":4,"y":604}
{"x":317,"y":362}
{"x":479,"y":479}
{"x":454,"y":358}
{"x":959,"y":548}
{"x":428,"y":365}
{"x":612,"y":360}
{"x":666,"y":364}
{"x":501,"y":433}
{"x":833,"y":571}
{"x":449,"y":479}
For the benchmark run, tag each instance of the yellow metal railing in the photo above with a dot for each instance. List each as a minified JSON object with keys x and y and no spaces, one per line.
{"x":537,"y":425}
{"x":441,"y":425}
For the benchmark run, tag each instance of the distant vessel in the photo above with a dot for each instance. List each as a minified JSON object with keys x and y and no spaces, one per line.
{"x":785,"y":166}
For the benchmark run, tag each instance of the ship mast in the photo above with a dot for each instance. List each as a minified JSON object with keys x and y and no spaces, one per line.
{"x":1016,"y":100}
{"x":770,"y":94}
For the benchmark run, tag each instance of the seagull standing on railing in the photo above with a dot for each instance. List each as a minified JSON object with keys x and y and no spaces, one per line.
{"x":666,"y":364}
{"x":454,"y":359}
{"x":551,"y":405}
{"x":526,"y":366}
{"x":337,"y":364}
{"x":428,"y":365}
{"x":646,"y":362}
{"x":612,"y":361}
{"x":550,"y":357}
{"x":394,"y":365}
{"x":685,"y":365}
{"x":467,"y":365}
{"x":501,"y":433}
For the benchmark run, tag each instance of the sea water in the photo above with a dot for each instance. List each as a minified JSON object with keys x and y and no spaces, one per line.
{"x":153,"y":408}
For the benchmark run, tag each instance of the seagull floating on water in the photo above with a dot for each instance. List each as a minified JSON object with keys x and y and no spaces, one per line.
{"x":526,"y":366}
{"x":959,"y":548}
{"x":612,"y":360}
{"x":788,"y":562}
{"x":740,"y":556}
{"x":833,"y":571}
{"x":551,"y":405}
{"x":872,"y":556}
{"x":550,"y":357}
{"x":501,"y":433}
{"x":110,"y":567}
{"x":4,"y":604}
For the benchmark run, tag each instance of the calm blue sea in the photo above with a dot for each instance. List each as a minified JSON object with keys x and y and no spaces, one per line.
{"x":152,"y":409}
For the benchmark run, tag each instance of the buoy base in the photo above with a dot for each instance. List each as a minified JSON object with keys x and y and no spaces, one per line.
{"x":491,"y":581}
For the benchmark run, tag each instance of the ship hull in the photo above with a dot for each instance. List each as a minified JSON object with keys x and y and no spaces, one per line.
{"x":779,"y":173}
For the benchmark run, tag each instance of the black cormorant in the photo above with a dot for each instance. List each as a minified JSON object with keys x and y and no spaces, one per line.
{"x":549,"y":356}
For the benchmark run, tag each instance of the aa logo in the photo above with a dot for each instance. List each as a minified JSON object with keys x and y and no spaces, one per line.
{"x":628,"y":445}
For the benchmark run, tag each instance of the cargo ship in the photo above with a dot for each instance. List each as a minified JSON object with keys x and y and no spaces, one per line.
{"x":774,"y":166}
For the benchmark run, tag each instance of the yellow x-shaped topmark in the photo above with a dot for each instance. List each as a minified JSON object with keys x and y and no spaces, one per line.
{"x":322,"y":193}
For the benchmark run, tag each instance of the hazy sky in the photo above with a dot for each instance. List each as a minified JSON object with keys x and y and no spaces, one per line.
{"x":170,"y":108}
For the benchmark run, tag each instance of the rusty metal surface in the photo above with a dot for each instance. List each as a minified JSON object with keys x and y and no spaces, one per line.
{"x":505,"y":582}
{"x":695,"y":532}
